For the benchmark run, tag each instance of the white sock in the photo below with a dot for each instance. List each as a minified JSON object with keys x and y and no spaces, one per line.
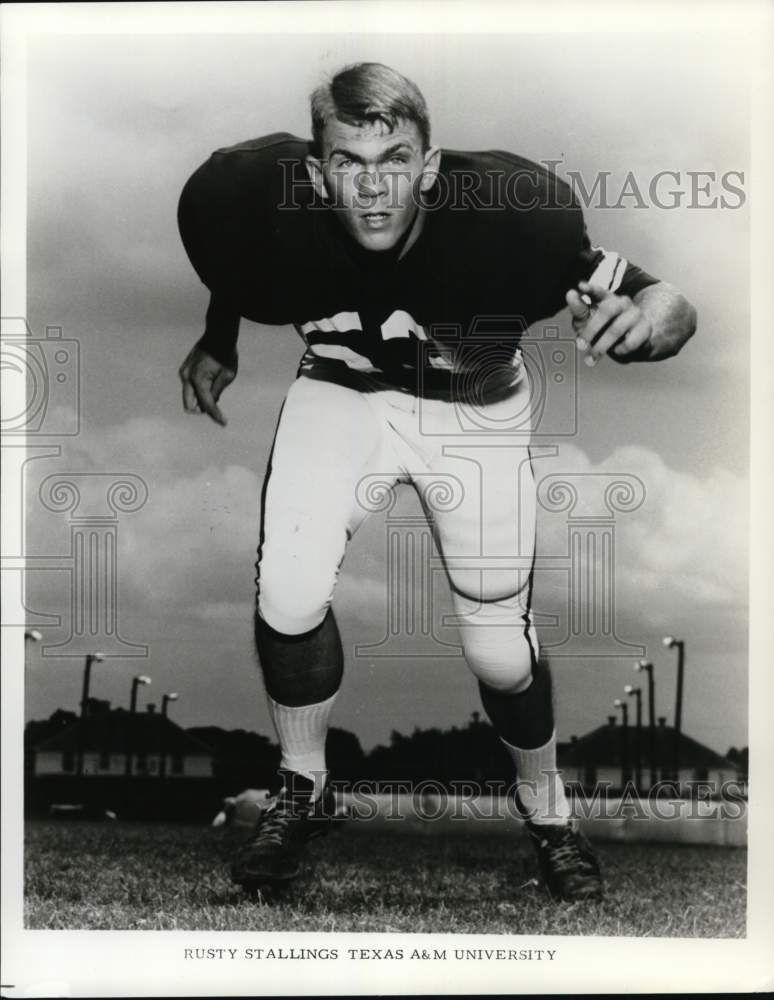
{"x":540,"y":785}
{"x":301,"y":733}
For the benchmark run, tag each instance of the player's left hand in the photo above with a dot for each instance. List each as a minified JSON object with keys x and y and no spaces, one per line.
{"x":204,"y":378}
{"x":606,"y":323}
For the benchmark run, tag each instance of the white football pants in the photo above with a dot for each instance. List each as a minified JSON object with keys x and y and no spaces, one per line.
{"x":471,"y":468}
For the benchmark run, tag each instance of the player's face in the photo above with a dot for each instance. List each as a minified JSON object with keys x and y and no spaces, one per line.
{"x":373,"y":177}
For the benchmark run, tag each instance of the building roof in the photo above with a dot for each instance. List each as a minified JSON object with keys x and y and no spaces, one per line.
{"x":118,"y":731}
{"x":605,"y":745}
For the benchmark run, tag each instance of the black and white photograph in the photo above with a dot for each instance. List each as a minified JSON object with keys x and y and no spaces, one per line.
{"x":385,"y":564}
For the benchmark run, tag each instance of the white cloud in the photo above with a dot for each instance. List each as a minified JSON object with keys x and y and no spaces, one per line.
{"x":687,"y":542}
{"x":193,"y":542}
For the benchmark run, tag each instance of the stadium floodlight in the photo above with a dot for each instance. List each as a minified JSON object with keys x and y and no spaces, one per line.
{"x":679,"y":644}
{"x":619,"y":703}
{"x":90,"y":659}
{"x":31,"y":635}
{"x":137,"y":680}
{"x":636,"y":693}
{"x":647,"y":666}
{"x":172,"y":696}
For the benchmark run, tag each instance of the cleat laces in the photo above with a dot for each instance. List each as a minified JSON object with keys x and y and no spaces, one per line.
{"x":567,"y":856}
{"x":273,"y":826}
{"x":567,"y":862}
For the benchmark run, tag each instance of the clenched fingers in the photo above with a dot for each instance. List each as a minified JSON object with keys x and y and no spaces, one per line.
{"x":579,"y":309}
{"x":615,"y":330}
{"x":201,"y":389}
{"x":636,"y":338}
{"x":189,"y":396}
{"x":603,"y":314}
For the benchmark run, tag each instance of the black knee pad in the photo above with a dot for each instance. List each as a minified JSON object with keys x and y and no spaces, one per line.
{"x":300,"y":669}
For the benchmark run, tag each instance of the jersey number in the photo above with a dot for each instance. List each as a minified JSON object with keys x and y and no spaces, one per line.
{"x":397,"y":324}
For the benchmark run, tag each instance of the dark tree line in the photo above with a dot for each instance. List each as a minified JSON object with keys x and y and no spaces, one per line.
{"x":445,"y":756}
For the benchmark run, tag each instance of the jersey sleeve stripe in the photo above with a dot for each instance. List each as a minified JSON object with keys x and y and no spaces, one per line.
{"x":610,"y":270}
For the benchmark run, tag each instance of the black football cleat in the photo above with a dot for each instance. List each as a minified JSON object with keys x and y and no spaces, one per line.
{"x":567,"y":862}
{"x":273,"y":855}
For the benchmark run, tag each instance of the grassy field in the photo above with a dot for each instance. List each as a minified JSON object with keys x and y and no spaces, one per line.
{"x":121,"y":876}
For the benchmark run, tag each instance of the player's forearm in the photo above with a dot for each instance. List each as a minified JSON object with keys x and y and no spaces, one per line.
{"x":221,"y":332}
{"x":672,"y":317}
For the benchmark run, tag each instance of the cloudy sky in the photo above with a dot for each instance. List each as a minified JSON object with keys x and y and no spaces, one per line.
{"x":116,"y":124}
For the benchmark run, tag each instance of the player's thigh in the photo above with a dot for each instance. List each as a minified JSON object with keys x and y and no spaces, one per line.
{"x":487,"y":539}
{"x":326,"y":439}
{"x":487,"y":542}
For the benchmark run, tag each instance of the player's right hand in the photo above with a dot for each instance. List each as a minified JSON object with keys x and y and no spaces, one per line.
{"x":204,"y":379}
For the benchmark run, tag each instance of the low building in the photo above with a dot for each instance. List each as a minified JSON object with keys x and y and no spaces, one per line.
{"x":609,"y":757}
{"x":117,"y":743}
{"x":134,"y":765}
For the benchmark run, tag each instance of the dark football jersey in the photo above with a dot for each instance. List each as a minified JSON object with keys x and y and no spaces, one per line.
{"x":502,"y":242}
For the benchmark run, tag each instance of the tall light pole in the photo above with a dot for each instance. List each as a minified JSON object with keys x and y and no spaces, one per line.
{"x":90,"y":659}
{"x":647,"y":666}
{"x":136,"y":682}
{"x":172,"y":696}
{"x":31,"y":635}
{"x":637,"y":693}
{"x":678,"y":644}
{"x":624,"y":741}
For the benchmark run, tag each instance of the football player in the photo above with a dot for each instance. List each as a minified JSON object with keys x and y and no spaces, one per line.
{"x":410,"y":274}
